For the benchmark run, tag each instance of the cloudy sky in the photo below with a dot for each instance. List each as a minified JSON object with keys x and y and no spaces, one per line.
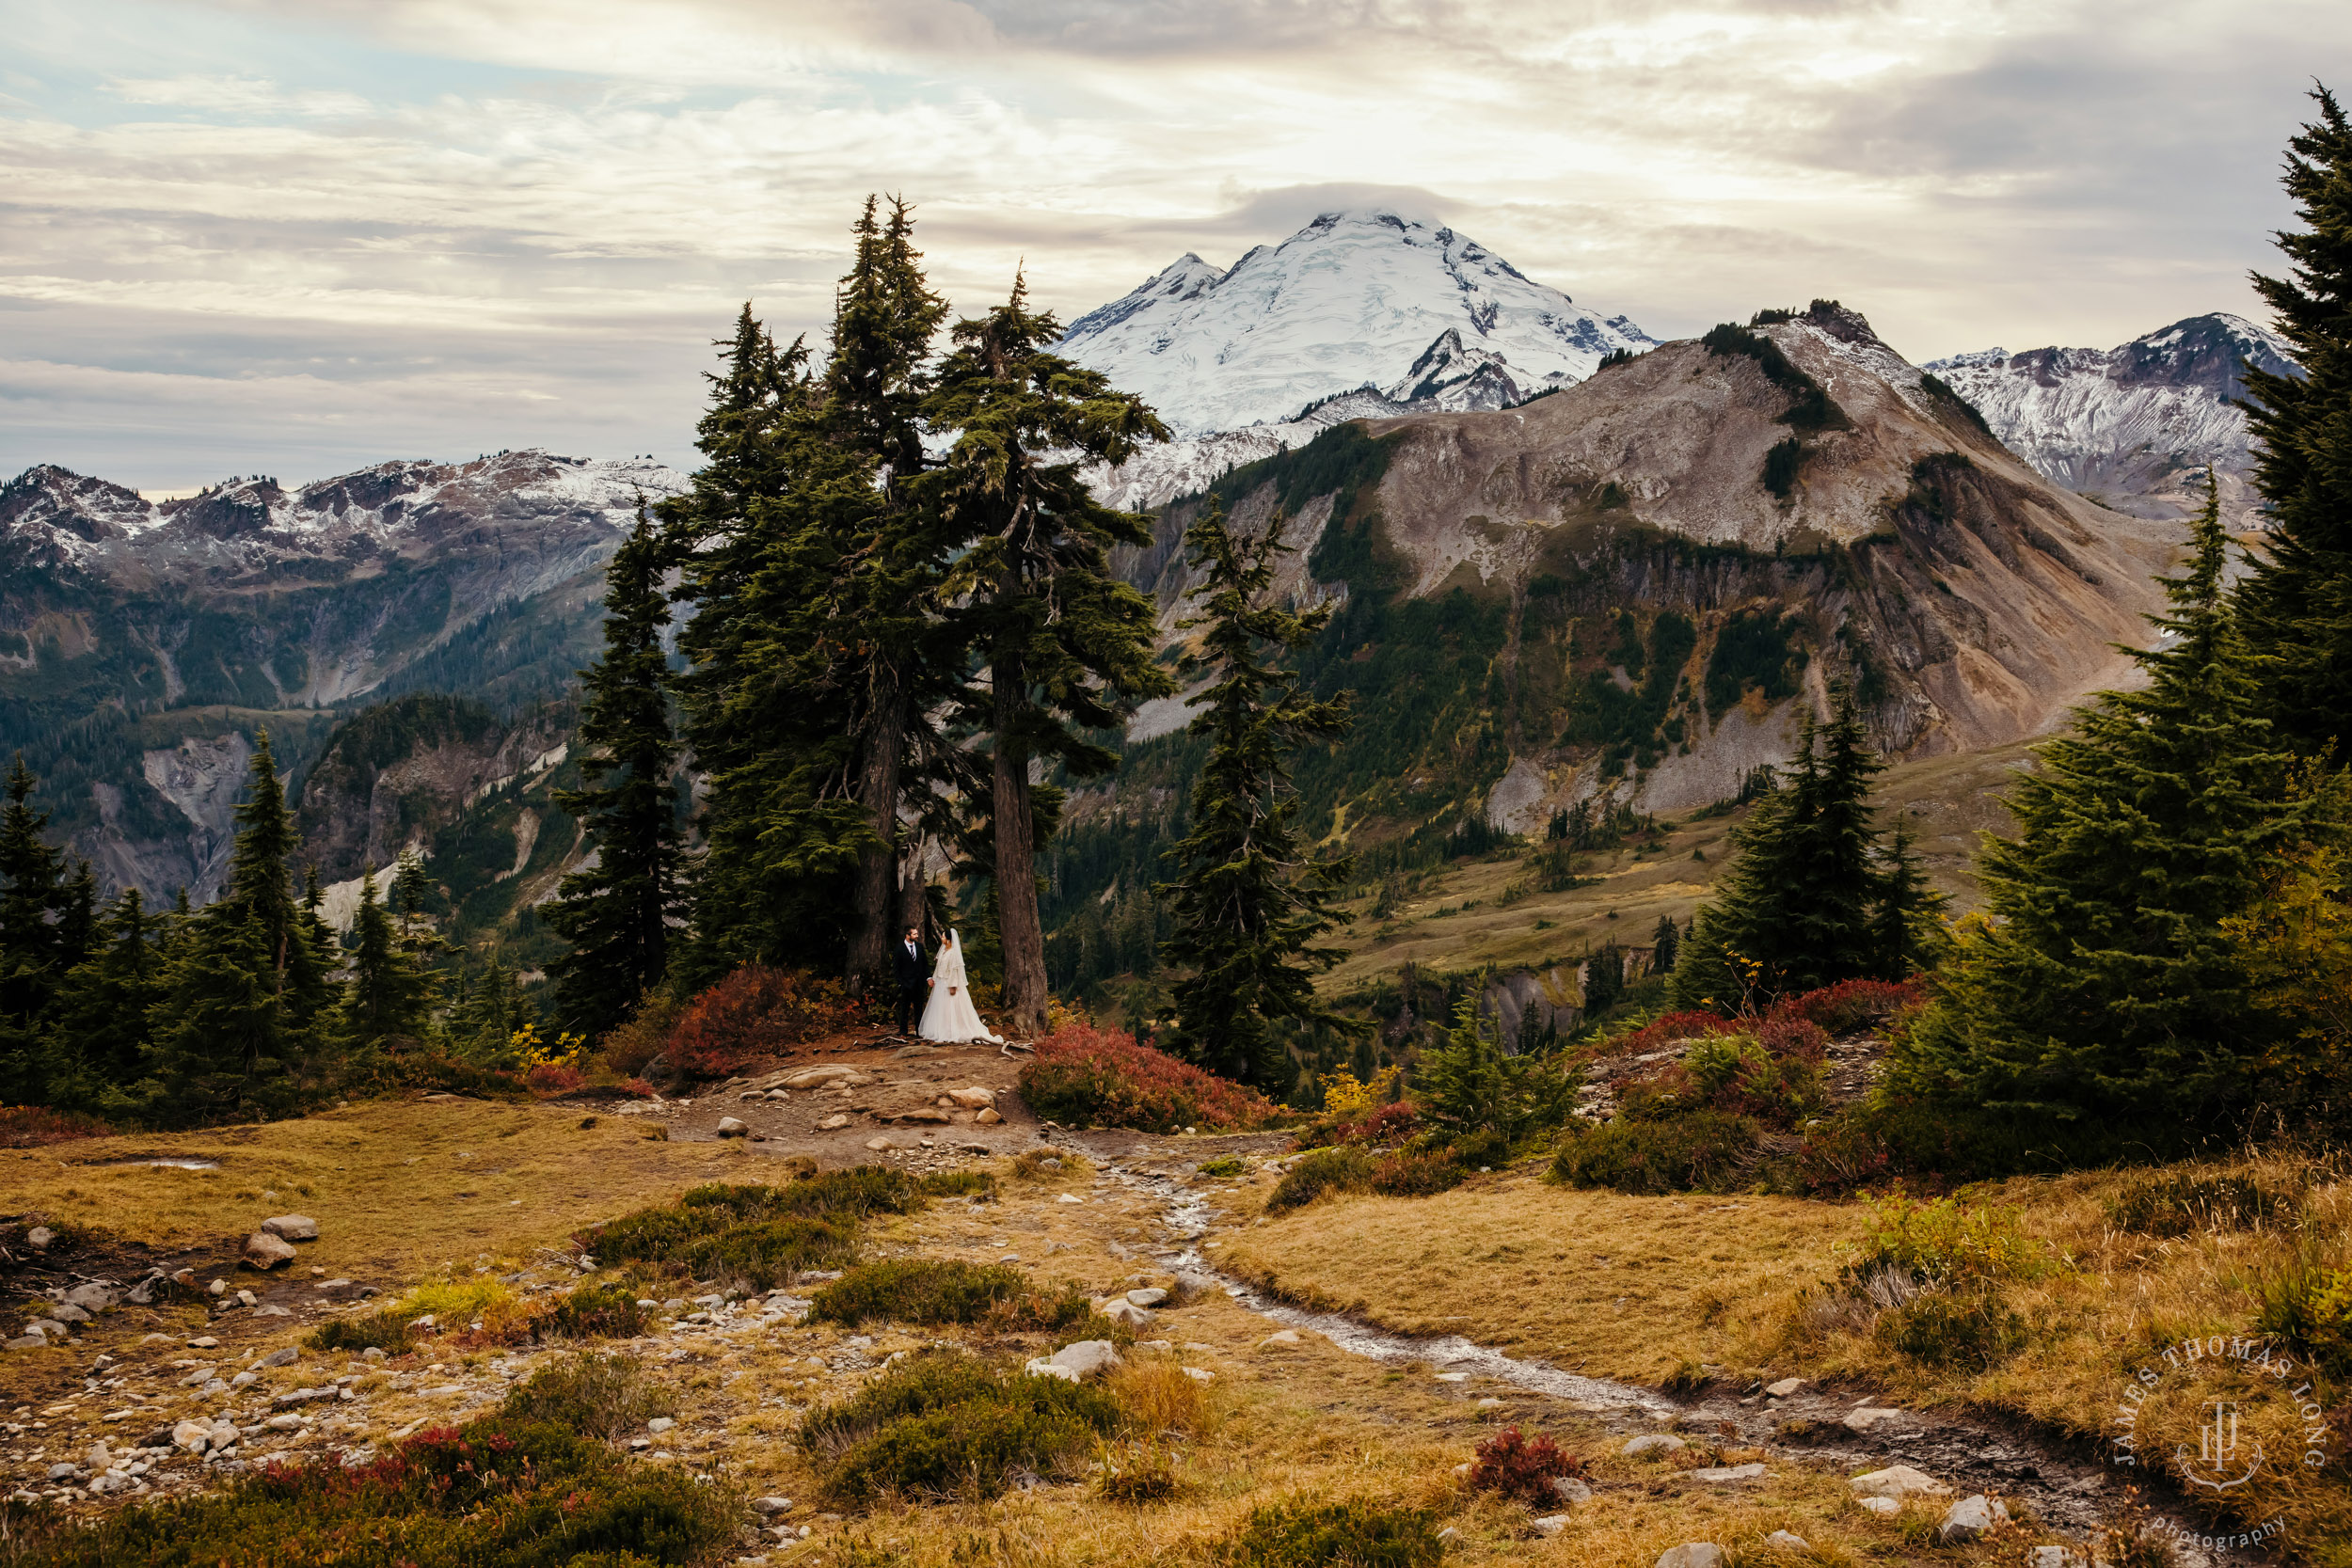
{"x":294,"y":236}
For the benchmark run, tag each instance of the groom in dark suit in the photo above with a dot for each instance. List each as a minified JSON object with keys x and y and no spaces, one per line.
{"x":913,"y":974}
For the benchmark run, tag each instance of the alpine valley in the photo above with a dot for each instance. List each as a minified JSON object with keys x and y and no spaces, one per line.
{"x":1572,"y":568}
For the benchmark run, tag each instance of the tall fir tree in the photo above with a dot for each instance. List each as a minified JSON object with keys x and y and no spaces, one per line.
{"x":1247,"y":899}
{"x":99,"y":1035}
{"x":30,"y":898}
{"x":616,"y":915}
{"x":1067,"y":642}
{"x":2105,"y":983}
{"x":2295,"y":604}
{"x":1665,"y":945}
{"x":388,"y":1002}
{"x":1814,"y":887}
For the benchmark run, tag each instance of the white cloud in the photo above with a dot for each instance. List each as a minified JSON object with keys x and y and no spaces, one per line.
{"x":396,"y":185}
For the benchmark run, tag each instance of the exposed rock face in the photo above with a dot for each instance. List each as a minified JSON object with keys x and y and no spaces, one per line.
{"x":2134,"y":425}
{"x":1969,"y":600}
{"x":143,"y":645}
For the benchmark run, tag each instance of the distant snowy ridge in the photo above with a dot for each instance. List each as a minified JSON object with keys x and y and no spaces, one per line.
{"x":1354,"y":300}
{"x":2132,"y":426}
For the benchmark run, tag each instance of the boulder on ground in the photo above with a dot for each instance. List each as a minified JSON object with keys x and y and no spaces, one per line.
{"x":1723,"y":1475}
{"x":265,"y":1251}
{"x":877,"y":1144}
{"x":1693,"y":1554}
{"x":1788,"y":1541}
{"x":730,"y":1128}
{"x":66,"y":1313}
{"x":1656,"y":1442}
{"x":974,"y":1098}
{"x":770,"y":1507}
{"x":1898,"y":1482}
{"x":1571,"y":1490}
{"x":1280,"y":1337}
{"x":195,"y":1436}
{"x":1087,"y":1356}
{"x":1870,"y":1416}
{"x":1970,"y":1518}
{"x":988,"y":1118}
{"x":1881,"y":1505}
{"x":834,"y":1122}
{"x":40,"y":1237}
{"x":293,"y":1227}
{"x":831,"y":1076}
{"x":1552,"y":1524}
{"x":1781,"y":1390}
{"x":1151,"y":1295}
{"x":1125,"y":1311}
{"x":930,"y":1114}
{"x":286,"y":1356}
{"x":90,"y":1298}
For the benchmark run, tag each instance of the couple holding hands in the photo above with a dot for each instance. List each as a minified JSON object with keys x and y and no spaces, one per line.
{"x":948,"y":1016}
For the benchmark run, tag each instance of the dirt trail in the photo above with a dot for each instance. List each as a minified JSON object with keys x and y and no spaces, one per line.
{"x":2062,"y":1488}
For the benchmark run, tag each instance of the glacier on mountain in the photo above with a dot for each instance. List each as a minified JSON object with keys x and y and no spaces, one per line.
{"x":2133,"y":426}
{"x":1354,"y":300}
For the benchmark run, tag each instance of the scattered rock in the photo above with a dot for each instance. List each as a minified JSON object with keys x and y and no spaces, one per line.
{"x":877,"y":1144}
{"x":770,"y":1507}
{"x":1199,"y":1374}
{"x":974,"y":1098}
{"x":659,"y":1424}
{"x":90,"y":1298}
{"x":1898,"y":1482}
{"x":1571,"y":1490}
{"x":1656,"y":1442}
{"x":1552,"y":1524}
{"x":1125,"y":1311}
{"x":1870,"y":1416}
{"x":285,"y":1357}
{"x":40,"y":1237}
{"x":928,"y":1115}
{"x":62,"y":1470}
{"x":265,"y":1251}
{"x":2053,"y":1556}
{"x":1280,"y":1337}
{"x":27,"y":1342}
{"x":834,"y":1122}
{"x":988,"y":1118}
{"x":65,"y":1314}
{"x":195,"y":1436}
{"x":292,"y":1227}
{"x":730,"y":1128}
{"x":1691,"y":1554}
{"x":203,"y":1341}
{"x":1151,"y":1295}
{"x":100,"y":1456}
{"x":1781,"y":1390}
{"x":822,"y":1077}
{"x":1788,"y":1541}
{"x":1725,"y":1474}
{"x":1881,"y":1505}
{"x":1970,"y":1518}
{"x":284,"y":1423}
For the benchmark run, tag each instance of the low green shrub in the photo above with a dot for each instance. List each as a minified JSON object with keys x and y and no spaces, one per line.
{"x":1934,"y":1147}
{"x":386,"y":1330}
{"x":2309,"y":1304}
{"x":1354,"y":1532}
{"x":1422,"y":1175}
{"x":1945,"y":1242}
{"x":1225,"y":1166}
{"x":940,"y":1424}
{"x":944,"y":1291}
{"x":761,"y":1235}
{"x":1700,"y":1151}
{"x":1967,"y":1330}
{"x":1470,"y":1085}
{"x":594,"y":1313}
{"x":530,"y":1486}
{"x":1326,"y":1170}
{"x":600,"y":1395}
{"x":1144,"y":1479}
{"x":2180,"y":1203}
{"x":958,"y":1183}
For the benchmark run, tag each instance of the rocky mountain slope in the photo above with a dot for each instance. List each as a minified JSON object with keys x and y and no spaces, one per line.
{"x":2134,"y":425}
{"x":143,"y":645}
{"x":1355,"y":300}
{"x":1630,"y":587}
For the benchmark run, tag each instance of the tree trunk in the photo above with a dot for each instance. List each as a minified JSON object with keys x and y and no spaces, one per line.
{"x":877,"y":900}
{"x":1016,"y":860}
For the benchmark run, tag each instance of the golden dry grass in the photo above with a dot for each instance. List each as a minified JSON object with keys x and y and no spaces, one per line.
{"x":399,"y":1187}
{"x":1615,"y":1286}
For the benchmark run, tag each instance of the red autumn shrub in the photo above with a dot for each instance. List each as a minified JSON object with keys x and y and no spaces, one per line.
{"x":1674,"y":1026}
{"x":1851,"y":1004}
{"x":549,"y":1078}
{"x":1511,"y":1465}
{"x":756,"y":1011}
{"x":1089,"y":1077}
{"x":1799,"y":1037}
{"x":33,"y":1126}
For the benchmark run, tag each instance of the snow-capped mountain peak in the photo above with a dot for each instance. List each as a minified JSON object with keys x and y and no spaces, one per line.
{"x":1354,"y":299}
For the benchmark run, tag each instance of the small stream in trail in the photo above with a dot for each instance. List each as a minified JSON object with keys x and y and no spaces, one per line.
{"x":2062,"y":1490}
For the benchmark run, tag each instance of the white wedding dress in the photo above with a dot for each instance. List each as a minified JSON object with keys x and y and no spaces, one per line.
{"x":949,"y":1014}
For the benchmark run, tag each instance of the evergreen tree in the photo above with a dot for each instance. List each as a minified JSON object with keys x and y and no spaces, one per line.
{"x":2297,"y":602}
{"x":1814,"y":890}
{"x":98,"y":1036}
{"x":77,"y":916}
{"x":1067,"y":643}
{"x":29,"y":948}
{"x":616,"y":915}
{"x":1908,"y":935}
{"x":1665,"y":945}
{"x":388,"y":1002}
{"x":2105,"y":983}
{"x":1469,"y":1086}
{"x":1247,"y":901}
{"x":262,"y":887}
{"x":1604,"y":980}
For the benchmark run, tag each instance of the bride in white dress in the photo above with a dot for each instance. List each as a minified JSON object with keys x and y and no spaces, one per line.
{"x":949,"y":1014}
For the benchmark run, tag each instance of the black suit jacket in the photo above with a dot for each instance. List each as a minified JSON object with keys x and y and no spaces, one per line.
{"x":912,"y":969}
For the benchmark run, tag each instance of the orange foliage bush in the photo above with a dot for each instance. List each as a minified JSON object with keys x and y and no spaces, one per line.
{"x":1092,"y":1077}
{"x":756,"y":1011}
